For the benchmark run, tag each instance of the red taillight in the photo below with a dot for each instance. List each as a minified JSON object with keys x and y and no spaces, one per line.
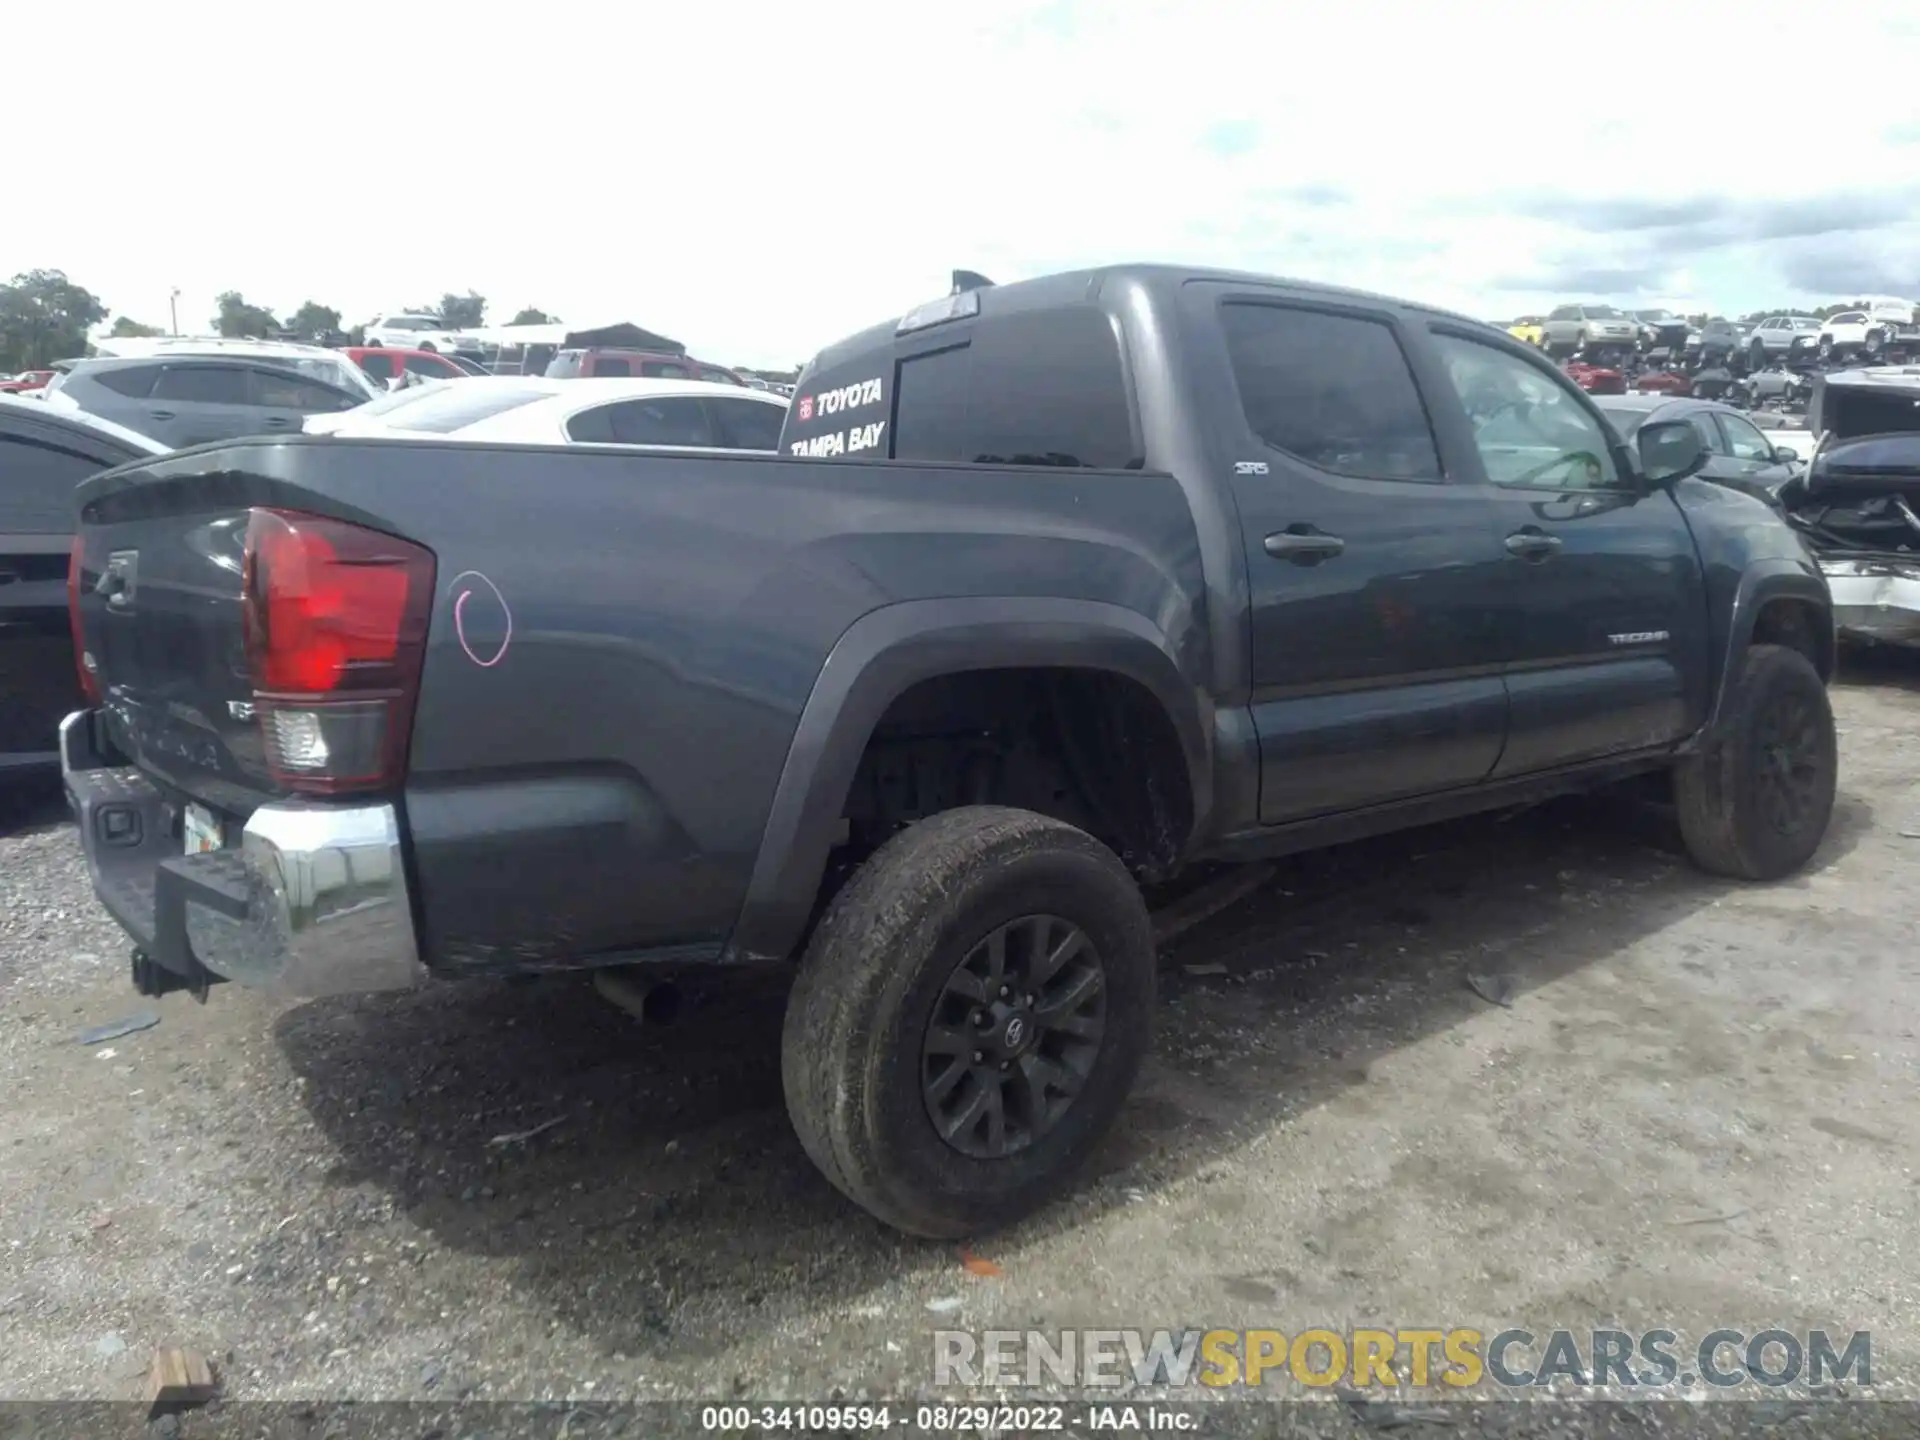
{"x":336,"y":623}
{"x":89,"y":683}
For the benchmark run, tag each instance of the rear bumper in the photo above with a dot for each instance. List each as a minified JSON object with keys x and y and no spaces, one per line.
{"x":312,"y":901}
{"x":1875,"y":599}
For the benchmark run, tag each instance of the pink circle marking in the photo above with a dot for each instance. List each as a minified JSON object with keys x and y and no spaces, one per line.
{"x":460,"y":621}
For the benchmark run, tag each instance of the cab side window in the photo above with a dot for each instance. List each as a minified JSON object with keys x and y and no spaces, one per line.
{"x":1530,"y":429}
{"x":1332,"y":390}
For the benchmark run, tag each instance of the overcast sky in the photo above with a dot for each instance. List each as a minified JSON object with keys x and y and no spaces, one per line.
{"x":758,"y":179}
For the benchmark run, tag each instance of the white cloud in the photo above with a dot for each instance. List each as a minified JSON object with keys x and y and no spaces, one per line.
{"x":758,"y":179}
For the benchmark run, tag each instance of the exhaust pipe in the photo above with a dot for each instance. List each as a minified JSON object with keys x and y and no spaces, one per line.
{"x":650,"y":1001}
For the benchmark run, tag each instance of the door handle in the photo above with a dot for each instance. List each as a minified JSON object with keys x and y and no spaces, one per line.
{"x":276,"y":422}
{"x":161,"y":414}
{"x":1531,"y":544}
{"x":1304,"y":545}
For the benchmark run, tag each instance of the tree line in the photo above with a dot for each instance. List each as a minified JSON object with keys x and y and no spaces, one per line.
{"x":45,"y":316}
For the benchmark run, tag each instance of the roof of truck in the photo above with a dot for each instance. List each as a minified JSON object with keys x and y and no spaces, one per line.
{"x":1073,"y":286}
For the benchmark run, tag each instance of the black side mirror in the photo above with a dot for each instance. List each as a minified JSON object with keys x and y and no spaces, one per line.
{"x":1670,"y":450}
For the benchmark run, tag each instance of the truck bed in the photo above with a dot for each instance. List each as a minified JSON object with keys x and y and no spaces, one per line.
{"x":618,"y":652}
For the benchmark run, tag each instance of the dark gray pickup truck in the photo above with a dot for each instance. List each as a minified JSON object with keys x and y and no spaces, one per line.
{"x":1054,"y":589}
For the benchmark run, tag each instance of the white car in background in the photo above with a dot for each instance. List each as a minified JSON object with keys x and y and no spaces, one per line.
{"x":535,"y":410}
{"x":413,"y":332}
{"x":316,"y":362}
{"x":1887,"y":323}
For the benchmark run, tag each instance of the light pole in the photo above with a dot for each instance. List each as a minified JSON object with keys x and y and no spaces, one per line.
{"x":173,"y":311}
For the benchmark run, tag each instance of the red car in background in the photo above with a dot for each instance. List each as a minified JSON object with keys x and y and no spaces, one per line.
{"x":25,"y":380}
{"x":384,"y":363}
{"x":1595,"y":379}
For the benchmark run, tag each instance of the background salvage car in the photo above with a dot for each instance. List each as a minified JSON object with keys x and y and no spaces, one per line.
{"x":44,"y":454}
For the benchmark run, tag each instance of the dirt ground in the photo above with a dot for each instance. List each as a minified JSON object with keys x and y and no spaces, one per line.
{"x":1697,"y":1112}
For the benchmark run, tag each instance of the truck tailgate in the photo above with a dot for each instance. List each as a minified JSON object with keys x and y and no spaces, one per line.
{"x":162,"y":610}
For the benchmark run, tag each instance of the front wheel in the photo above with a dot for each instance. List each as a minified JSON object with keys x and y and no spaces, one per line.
{"x":1825,"y":347}
{"x":968,"y":1019}
{"x":1755,"y":802}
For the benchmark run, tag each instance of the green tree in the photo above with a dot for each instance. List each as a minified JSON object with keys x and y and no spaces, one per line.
{"x":462,"y":312}
{"x":315,"y":322}
{"x":125,"y":326}
{"x":238,"y":319}
{"x":44,"y":316}
{"x":531,"y":316}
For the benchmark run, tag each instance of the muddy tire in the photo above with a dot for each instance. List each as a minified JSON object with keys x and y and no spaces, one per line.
{"x":968,"y":1019}
{"x":1755,"y":803}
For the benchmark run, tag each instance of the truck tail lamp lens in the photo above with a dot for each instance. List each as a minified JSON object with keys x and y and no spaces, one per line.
{"x":336,"y":629}
{"x":89,"y":682}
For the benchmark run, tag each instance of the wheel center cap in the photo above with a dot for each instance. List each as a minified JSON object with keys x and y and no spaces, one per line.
{"x":1016,"y":1033}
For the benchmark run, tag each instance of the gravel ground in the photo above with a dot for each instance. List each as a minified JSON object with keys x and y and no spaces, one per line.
{"x":1696,"y":1112}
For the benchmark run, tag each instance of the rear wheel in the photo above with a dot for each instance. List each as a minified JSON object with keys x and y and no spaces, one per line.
{"x":969,"y":1017}
{"x":1755,"y":803}
{"x":1825,"y":347}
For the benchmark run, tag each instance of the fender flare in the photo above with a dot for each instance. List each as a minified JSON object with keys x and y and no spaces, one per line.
{"x":1761,"y":583}
{"x":879,"y":658}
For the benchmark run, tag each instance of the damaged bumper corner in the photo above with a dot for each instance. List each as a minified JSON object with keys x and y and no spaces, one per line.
{"x":1875,"y":598}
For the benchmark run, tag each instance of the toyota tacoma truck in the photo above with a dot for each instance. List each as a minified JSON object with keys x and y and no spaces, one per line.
{"x":1053,"y":589}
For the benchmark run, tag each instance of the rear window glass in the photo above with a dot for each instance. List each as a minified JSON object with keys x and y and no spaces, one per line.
{"x":663,"y":370}
{"x":612,"y":365}
{"x":448,"y":409}
{"x":1042,"y":387}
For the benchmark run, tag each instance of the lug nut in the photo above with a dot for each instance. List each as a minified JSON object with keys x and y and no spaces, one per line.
{"x":1005,"y":991}
{"x":1006,"y":1064}
{"x":978,"y":1056}
{"x":980,"y":1017}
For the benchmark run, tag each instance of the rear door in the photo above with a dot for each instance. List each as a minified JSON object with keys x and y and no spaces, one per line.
{"x":1375,"y":580}
{"x":194,"y":403}
{"x":1605,"y":597}
{"x":39,"y":467}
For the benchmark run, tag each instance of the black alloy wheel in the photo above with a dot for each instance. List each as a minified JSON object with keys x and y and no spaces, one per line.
{"x":1793,"y":764}
{"x":1014,"y":1035}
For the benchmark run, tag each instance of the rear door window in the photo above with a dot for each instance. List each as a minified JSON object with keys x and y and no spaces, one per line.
{"x":203,"y":384}
{"x":669,"y":420}
{"x":1333,"y":390}
{"x":377,"y":366}
{"x":433,"y":366}
{"x":612,"y":365}
{"x":748,"y":424}
{"x":665,"y":370}
{"x":133,"y":381}
{"x":283,"y":390}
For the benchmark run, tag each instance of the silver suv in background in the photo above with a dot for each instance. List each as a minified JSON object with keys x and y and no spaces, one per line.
{"x":1598,"y":331}
{"x":183,"y":400}
{"x":1782,"y":337}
